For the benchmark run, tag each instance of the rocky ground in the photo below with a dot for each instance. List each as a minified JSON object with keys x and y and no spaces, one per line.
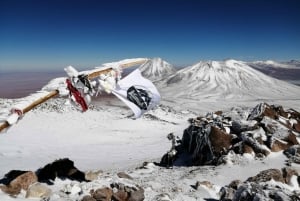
{"x":240,"y":154}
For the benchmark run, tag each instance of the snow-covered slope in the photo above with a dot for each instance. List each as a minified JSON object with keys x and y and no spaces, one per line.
{"x":230,"y":79}
{"x":156,"y":69}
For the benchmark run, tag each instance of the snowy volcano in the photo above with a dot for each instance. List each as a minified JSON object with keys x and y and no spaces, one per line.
{"x":156,"y":69}
{"x":230,"y":79}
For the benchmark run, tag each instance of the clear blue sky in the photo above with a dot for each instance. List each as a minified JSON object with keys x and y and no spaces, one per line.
{"x":50,"y":34}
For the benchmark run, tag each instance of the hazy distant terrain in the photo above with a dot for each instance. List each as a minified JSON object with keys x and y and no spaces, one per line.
{"x":288,"y":71}
{"x":20,"y":84}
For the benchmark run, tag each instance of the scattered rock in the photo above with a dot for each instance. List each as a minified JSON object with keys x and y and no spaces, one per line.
{"x":103,"y":194}
{"x":11,"y":175}
{"x":22,"y":181}
{"x":293,"y":154}
{"x":131,"y":193}
{"x":137,"y":195}
{"x":124,"y":175}
{"x":288,"y":173}
{"x":235,"y":184}
{"x":297,"y":127}
{"x":162,"y":197}
{"x":38,"y":190}
{"x":120,"y":196}
{"x":88,"y":198}
{"x":93,"y":175}
{"x":279,"y":145}
{"x":267,"y":175}
{"x":207,"y":184}
{"x":11,"y":190}
{"x":247,"y":149}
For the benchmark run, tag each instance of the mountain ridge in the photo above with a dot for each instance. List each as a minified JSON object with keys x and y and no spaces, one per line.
{"x":156,"y":69}
{"x":229,"y":79}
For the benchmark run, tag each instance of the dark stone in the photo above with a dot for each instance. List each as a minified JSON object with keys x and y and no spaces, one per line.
{"x":120,"y":196}
{"x":103,"y":194}
{"x":267,"y":175}
{"x":88,"y":198}
{"x":11,"y":175}
{"x":124,"y":175}
{"x":137,"y":195}
{"x":62,"y":168}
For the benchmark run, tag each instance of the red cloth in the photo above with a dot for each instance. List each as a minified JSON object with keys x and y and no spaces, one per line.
{"x":79,"y":99}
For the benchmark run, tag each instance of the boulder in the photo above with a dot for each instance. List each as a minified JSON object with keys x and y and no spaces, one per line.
{"x":102,"y":194}
{"x":11,"y":190}
{"x":207,"y":184}
{"x":88,"y":198}
{"x":38,"y":190}
{"x":267,"y":175}
{"x":162,"y":197}
{"x":220,"y":140}
{"x":262,"y":110}
{"x":62,"y":168}
{"x":293,"y":154}
{"x":258,"y":187}
{"x":124,"y":175}
{"x":136,"y":195}
{"x":120,"y":196}
{"x":131,"y":193}
{"x":247,"y":149}
{"x":280,"y":145}
{"x":11,"y":175}
{"x":297,"y":127}
{"x":93,"y":175}
{"x":22,"y":181}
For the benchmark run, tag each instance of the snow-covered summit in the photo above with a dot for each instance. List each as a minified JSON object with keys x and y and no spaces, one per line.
{"x":228,"y":79}
{"x":156,"y":69}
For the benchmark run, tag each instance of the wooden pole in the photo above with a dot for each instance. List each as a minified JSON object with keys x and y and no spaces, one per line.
{"x":97,"y":73}
{"x":56,"y":92}
{"x":31,"y":106}
{"x":3,"y":126}
{"x":126,"y":65}
{"x":40,"y":100}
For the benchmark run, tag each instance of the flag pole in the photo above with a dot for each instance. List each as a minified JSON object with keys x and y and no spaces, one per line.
{"x":54,"y":93}
{"x":31,"y":106}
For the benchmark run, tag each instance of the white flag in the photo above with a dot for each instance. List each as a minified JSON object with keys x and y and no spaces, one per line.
{"x":137,"y":92}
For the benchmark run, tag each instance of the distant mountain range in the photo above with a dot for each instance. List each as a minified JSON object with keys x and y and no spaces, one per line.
{"x":289,"y":71}
{"x":229,"y":79}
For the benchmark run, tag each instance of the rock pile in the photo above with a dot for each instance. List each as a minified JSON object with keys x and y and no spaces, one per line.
{"x":271,"y":184}
{"x":208,"y":139}
{"x":17,"y":180}
{"x":32,"y":183}
{"x":116,"y":192}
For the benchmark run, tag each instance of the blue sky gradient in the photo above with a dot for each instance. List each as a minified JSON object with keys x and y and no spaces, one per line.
{"x":52,"y":34}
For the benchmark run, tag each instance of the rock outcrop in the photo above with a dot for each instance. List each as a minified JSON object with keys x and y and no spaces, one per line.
{"x":210,"y":138}
{"x":271,"y":184}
